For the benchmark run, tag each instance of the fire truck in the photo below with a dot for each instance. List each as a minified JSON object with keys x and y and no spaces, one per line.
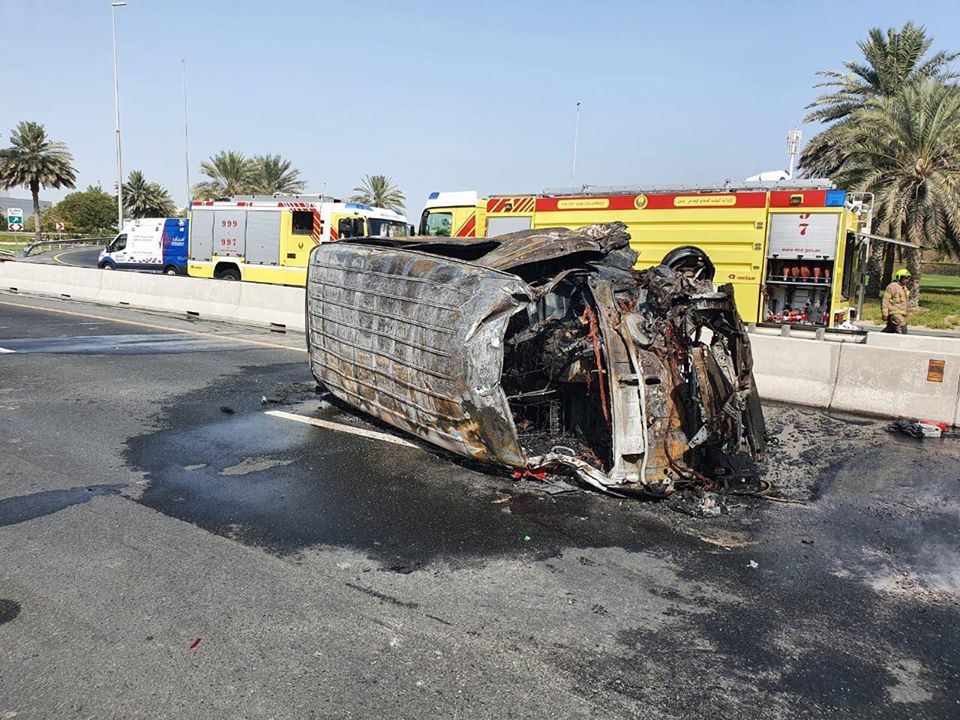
{"x":268,"y":238}
{"x":794,"y":251}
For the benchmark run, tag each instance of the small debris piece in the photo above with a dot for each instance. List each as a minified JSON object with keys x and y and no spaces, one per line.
{"x":227,"y":410}
{"x":527,"y":538}
{"x":195,"y":644}
{"x":753,"y":564}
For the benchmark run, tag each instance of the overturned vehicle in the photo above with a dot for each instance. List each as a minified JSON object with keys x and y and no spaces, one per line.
{"x":541,"y":350}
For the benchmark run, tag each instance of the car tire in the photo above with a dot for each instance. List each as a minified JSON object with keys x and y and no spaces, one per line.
{"x":171,"y":270}
{"x":107,"y":266}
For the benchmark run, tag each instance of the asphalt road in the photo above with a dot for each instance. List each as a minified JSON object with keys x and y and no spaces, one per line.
{"x":168,"y":549}
{"x":73,"y":257}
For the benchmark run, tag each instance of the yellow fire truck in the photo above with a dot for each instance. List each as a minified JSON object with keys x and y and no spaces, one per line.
{"x":793,"y":251}
{"x":268,"y":238}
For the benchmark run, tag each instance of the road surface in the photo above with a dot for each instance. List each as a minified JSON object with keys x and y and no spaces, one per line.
{"x":171,"y":547}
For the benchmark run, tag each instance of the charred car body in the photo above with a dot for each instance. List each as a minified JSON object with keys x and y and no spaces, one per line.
{"x":541,"y":350}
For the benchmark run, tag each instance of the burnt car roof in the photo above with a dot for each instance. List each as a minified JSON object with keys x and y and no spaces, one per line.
{"x":541,"y":349}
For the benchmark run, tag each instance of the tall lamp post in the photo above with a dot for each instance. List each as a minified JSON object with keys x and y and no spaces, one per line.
{"x":186,"y":131}
{"x":576,"y":141}
{"x":116,"y":108}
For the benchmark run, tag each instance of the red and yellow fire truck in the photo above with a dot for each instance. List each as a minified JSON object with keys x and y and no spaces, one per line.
{"x":793,"y":251}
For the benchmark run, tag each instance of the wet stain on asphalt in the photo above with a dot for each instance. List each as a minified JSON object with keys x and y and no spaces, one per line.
{"x":9,"y":609}
{"x":29,"y":507}
{"x":403,"y":507}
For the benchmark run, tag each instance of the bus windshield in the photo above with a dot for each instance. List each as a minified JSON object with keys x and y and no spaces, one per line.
{"x":387,"y":228}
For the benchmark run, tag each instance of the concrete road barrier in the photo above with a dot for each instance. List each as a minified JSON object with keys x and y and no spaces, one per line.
{"x":898,"y":383}
{"x":76,"y":283}
{"x":271,"y":305}
{"x":933,"y":343}
{"x":889,"y":380}
{"x":802,"y":372}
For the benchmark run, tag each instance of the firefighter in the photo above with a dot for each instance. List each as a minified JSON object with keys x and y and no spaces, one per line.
{"x":896,"y":299}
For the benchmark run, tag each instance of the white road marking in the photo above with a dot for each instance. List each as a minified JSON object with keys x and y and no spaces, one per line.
{"x":372,"y":434}
{"x":4,"y":350}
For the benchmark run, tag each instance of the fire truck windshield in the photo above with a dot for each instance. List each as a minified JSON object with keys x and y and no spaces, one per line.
{"x":436,"y":223}
{"x":387,"y":228}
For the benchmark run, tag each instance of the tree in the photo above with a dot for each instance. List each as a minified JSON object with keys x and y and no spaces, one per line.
{"x":91,"y":211}
{"x":907,"y":152}
{"x":273,"y":174}
{"x":34,"y":161}
{"x":230,"y":173}
{"x":892,"y":62}
{"x":379,"y":191}
{"x":145,"y":199}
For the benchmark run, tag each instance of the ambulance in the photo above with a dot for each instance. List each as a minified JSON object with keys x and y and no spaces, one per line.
{"x":268,"y":238}
{"x":158,"y":244}
{"x":795,"y":251}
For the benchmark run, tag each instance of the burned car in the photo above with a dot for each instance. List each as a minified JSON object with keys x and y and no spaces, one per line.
{"x":541,"y":350}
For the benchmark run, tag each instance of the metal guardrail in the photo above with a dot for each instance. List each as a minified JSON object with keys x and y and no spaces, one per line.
{"x":56,"y":244}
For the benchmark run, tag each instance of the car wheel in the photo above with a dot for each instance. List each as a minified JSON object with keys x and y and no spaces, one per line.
{"x":170,"y":270}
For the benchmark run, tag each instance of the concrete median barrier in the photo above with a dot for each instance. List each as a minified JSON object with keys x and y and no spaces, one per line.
{"x":204,"y":298}
{"x":928,"y":343}
{"x":75,"y":283}
{"x":803,"y":372}
{"x":898,"y":383}
{"x":272,"y":305}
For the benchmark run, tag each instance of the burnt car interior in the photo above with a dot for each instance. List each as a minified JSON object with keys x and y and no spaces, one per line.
{"x":635,"y":382}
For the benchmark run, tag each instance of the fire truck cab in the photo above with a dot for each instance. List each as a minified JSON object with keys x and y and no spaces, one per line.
{"x":793,"y":250}
{"x":268,"y":238}
{"x":454,"y":214}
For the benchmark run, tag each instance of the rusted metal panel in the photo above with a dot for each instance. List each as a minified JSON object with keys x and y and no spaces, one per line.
{"x":417,"y":341}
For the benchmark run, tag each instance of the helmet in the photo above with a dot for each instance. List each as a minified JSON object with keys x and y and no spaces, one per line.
{"x":902,"y":273}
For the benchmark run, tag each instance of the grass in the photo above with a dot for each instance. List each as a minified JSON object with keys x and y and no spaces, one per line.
{"x":939,"y":304}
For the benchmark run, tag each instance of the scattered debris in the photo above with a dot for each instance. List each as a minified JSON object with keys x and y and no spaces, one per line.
{"x":921,"y":428}
{"x":195,"y":644}
{"x":753,"y":564}
{"x":227,"y":410}
{"x":545,"y":352}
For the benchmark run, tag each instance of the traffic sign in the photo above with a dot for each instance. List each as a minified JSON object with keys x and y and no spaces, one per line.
{"x":15,"y":219}
{"x":60,"y":227}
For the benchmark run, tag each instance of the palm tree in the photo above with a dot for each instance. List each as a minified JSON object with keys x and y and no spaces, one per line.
{"x":146,"y":199}
{"x":273,"y":174}
{"x":379,"y":191}
{"x":35,"y":161}
{"x":230,"y":173}
{"x":907,"y":152}
{"x":892,"y":61}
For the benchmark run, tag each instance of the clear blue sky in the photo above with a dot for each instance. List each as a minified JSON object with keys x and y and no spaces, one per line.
{"x":438,"y":95}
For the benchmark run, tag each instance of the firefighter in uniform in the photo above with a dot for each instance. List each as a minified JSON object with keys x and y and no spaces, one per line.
{"x":896,"y":299}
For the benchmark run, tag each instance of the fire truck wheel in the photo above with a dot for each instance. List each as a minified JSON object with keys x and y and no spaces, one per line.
{"x":691,"y":261}
{"x":229,"y":274}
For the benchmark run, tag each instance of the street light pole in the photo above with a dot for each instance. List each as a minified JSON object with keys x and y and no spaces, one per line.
{"x":186,"y":132}
{"x":576,"y":140}
{"x":116,"y":107}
